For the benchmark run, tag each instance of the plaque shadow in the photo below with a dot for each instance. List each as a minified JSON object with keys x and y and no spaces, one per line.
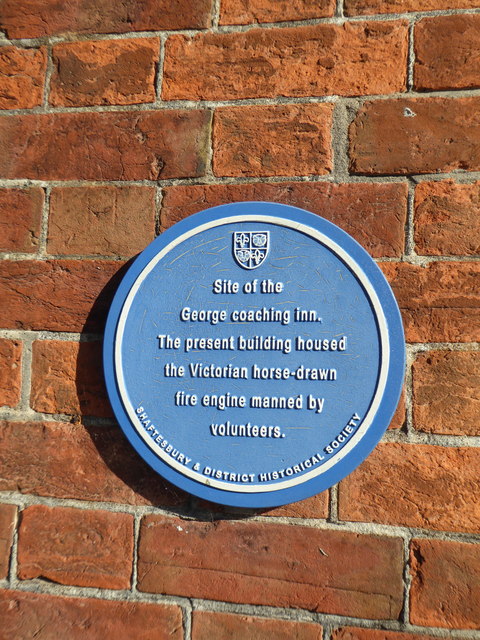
{"x":128,"y":479}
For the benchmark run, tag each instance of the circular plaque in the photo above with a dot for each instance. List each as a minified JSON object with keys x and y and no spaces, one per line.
{"x":254,"y":354}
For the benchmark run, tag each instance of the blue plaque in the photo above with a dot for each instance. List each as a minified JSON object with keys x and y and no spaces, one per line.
{"x":254,"y":354}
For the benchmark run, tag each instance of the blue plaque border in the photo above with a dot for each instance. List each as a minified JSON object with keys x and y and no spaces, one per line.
{"x":389,"y":321}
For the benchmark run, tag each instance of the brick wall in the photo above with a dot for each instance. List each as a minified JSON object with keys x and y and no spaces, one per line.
{"x":120,"y":118}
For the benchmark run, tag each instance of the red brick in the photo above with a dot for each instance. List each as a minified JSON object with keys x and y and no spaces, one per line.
{"x":272,"y":564}
{"x":439,"y":302}
{"x":425,"y":486}
{"x":314,"y":507}
{"x":446,"y":218}
{"x":291,"y":139}
{"x":38,"y":18}
{"x":20,"y":219}
{"x":44,"y":617}
{"x":207,"y":625}
{"x":419,"y":135}
{"x":105,"y":220}
{"x":141,"y":145}
{"x":445,"y":588}
{"x":446,"y":53}
{"x":368,"y":7}
{"x":373,"y":213}
{"x":67,"y":377}
{"x":446,"y":392}
{"x":400,"y":415}
{"x":323,"y":59}
{"x":252,"y":11}
{"x":8,"y":519}
{"x":104,"y":72}
{"x":22,"y":76}
{"x":72,"y":461}
{"x":56,"y":295}
{"x":75,"y":546}
{"x":356,"y":633}
{"x":10,"y":372}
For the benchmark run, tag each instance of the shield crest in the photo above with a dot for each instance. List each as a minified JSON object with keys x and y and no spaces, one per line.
{"x":250,"y":248}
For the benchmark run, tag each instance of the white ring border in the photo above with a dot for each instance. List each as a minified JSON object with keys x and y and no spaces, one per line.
{"x":382,"y":380}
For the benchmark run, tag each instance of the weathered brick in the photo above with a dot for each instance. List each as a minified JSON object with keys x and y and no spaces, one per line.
{"x":104,"y":72}
{"x":272,"y":564}
{"x":22,"y":76}
{"x":314,"y":507}
{"x":398,"y":418}
{"x":76,"y":546}
{"x":439,"y":302}
{"x":368,"y":7}
{"x":446,"y":392}
{"x":445,"y":588}
{"x":357,"y":633}
{"x":57,"y":295}
{"x":207,"y":625}
{"x":446,"y":218}
{"x":418,"y":135}
{"x":323,"y":59}
{"x":373,"y":213}
{"x":446,"y":53}
{"x":8,"y":518}
{"x":101,"y":220}
{"x":10,"y":372}
{"x":149,"y":145}
{"x":83,"y":463}
{"x":67,"y":377}
{"x":20,"y":219}
{"x":252,"y":11}
{"x":37,"y":18}
{"x":416,"y":486}
{"x":44,"y":617}
{"x":291,"y":139}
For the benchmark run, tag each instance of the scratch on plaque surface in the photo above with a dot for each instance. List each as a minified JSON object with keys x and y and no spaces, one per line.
{"x":197,"y":246}
{"x":143,"y":320}
{"x":178,"y":257}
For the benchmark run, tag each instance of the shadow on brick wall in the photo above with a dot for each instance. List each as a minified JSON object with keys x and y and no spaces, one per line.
{"x":121,"y":474}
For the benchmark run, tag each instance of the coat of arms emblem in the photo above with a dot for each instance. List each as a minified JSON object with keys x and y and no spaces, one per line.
{"x":250,"y":248}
